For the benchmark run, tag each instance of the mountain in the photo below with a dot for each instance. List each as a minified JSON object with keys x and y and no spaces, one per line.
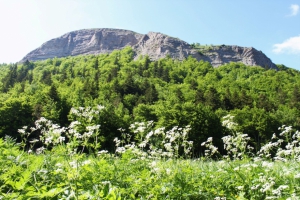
{"x":155,"y":45}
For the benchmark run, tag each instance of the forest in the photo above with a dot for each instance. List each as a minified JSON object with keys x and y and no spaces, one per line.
{"x":166,"y":92}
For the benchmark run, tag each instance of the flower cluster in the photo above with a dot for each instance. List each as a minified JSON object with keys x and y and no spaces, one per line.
{"x":156,"y":143}
{"x":236,"y":144}
{"x":211,"y":149}
{"x":78,"y":133}
{"x":284,"y":146}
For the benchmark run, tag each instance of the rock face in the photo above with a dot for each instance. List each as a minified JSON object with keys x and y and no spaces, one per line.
{"x":155,"y":45}
{"x":219,"y":55}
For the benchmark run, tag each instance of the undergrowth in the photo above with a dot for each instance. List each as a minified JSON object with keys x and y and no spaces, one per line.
{"x":148,"y":164}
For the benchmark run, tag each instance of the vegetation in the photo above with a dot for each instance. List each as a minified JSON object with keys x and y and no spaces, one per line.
{"x":110,"y":127}
{"x":150,"y":168}
{"x":168,"y":92}
{"x":204,"y":49}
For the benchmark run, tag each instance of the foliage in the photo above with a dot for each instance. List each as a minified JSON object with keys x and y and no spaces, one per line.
{"x":141,"y":171}
{"x":168,"y":92}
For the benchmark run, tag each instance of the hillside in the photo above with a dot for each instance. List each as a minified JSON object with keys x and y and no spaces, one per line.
{"x":168,"y":92}
{"x":155,"y":45}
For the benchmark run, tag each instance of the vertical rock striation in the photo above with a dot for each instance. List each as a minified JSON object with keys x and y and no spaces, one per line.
{"x":155,"y":45}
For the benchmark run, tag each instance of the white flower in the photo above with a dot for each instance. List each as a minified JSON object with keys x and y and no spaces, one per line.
{"x":74,"y":124}
{"x":59,"y":170}
{"x":21,"y":131}
{"x":240,"y":187}
{"x":297,"y":176}
{"x":59,"y":165}
{"x":100,"y":107}
{"x":143,"y":144}
{"x":73,"y":164}
{"x":149,"y":134}
{"x":33,"y":141}
{"x":120,"y":150}
{"x":48,"y":140}
{"x":255,"y":187}
{"x":236,"y":169}
{"x":40,"y":150}
{"x":61,"y":139}
{"x":86,"y":162}
{"x":153,"y":164}
{"x":105,"y":182}
{"x":88,"y":134}
{"x":102,"y":152}
{"x":210,"y":139}
{"x":168,"y":171}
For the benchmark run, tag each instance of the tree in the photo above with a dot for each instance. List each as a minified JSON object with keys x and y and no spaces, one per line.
{"x":212,"y":98}
{"x":14,"y":114}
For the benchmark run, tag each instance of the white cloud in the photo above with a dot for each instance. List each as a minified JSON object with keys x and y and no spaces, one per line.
{"x":291,"y":46}
{"x":294,"y":9}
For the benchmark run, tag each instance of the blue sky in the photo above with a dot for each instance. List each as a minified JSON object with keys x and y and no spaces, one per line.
{"x":270,"y":26}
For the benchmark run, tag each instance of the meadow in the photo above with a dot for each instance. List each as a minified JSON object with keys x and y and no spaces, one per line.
{"x":148,"y":163}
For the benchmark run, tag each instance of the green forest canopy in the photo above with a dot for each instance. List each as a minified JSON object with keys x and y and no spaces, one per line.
{"x":169,"y":92}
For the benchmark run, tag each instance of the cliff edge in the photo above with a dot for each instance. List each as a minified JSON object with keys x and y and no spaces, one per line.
{"x":155,"y":45}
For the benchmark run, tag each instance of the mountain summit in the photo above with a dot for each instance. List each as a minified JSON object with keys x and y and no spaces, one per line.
{"x":155,"y":45}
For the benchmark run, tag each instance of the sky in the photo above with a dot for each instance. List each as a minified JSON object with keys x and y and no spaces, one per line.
{"x":272,"y":26}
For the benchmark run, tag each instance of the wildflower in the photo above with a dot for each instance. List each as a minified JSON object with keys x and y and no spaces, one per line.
{"x":105,"y":182}
{"x":156,"y":169}
{"x":92,"y":128}
{"x":149,"y":134}
{"x":59,"y":170}
{"x":168,"y":146}
{"x":159,"y":131}
{"x":33,"y":141}
{"x":58,"y":165}
{"x":86,"y":162}
{"x":42,"y":171}
{"x":168,"y":171}
{"x":74,"y":124}
{"x":153,"y":164}
{"x":48,"y":140}
{"x":278,"y":191}
{"x":267,"y":164}
{"x":297,"y":176}
{"x":22,"y":131}
{"x":120,"y":150}
{"x":240,"y":187}
{"x":117,"y":141}
{"x":209,"y":139}
{"x":73,"y":164}
{"x":32,"y":129}
{"x":87,"y":134}
{"x":102,"y":152}
{"x":61,"y":139}
{"x":40,"y":150}
{"x":100,"y":107}
{"x":236,"y":169}
{"x":255,"y":187}
{"x":143,"y":144}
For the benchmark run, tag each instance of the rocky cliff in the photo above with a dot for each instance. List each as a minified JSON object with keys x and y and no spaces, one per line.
{"x":155,"y":45}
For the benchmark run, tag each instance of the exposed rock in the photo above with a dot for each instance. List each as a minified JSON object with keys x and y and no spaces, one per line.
{"x":87,"y":41}
{"x":155,"y":45}
{"x":219,"y":55}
